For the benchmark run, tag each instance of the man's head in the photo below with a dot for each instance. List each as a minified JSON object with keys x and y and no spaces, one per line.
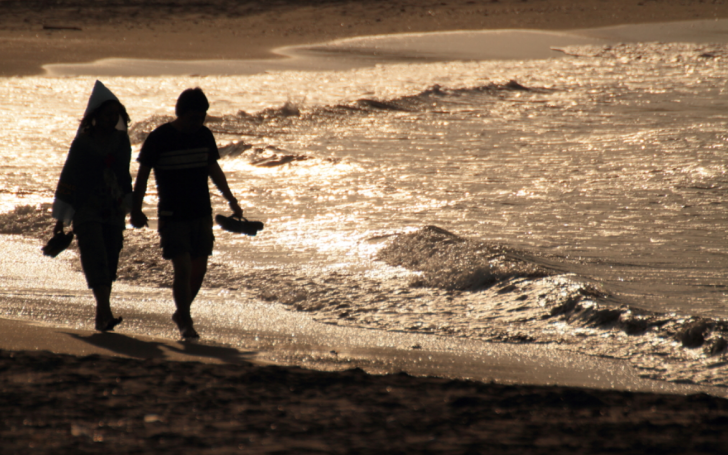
{"x":191,"y":109}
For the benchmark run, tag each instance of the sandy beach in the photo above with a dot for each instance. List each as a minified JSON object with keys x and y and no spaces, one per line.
{"x":159,"y":396}
{"x":98,"y":404}
{"x":33,"y":33}
{"x":76,"y":391}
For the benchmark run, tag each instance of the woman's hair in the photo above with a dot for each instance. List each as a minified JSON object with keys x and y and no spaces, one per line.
{"x":87,"y":123}
{"x":192,"y":99}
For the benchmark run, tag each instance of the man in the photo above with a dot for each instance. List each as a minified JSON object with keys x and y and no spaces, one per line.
{"x":183,"y":154}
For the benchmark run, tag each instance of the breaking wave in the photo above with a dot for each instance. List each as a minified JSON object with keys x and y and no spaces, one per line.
{"x":445,"y":284}
{"x":271,"y":122}
{"x":447,"y":261}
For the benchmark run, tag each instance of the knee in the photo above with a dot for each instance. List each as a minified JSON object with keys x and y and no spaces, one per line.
{"x":199,"y":265}
{"x":182,"y":265}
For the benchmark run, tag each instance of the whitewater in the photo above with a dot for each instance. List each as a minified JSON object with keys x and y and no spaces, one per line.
{"x":577,"y":200}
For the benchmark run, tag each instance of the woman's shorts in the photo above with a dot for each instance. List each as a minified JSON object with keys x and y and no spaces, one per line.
{"x":186,"y":236}
{"x":100,"y":245}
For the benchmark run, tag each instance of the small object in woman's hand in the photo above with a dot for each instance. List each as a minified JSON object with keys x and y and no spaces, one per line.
{"x":57,"y":244}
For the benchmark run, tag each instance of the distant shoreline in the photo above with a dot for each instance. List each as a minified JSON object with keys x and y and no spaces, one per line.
{"x":72,"y":32}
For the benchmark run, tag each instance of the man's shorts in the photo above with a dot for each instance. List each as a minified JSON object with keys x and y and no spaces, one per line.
{"x":186,"y":236}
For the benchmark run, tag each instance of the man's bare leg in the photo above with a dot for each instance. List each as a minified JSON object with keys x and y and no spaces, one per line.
{"x":181,"y":284}
{"x":188,"y":276}
{"x":197,"y":275}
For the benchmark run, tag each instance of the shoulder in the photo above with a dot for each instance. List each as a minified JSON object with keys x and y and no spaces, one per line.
{"x":205,"y":131}
{"x":81,"y":139}
{"x":122,"y":137}
{"x":163,"y":130}
{"x":158,"y":136}
{"x":205,"y":134}
{"x":81,"y":142}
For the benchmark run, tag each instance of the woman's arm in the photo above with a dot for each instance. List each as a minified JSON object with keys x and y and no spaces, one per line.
{"x":124,"y":177}
{"x":138,"y":218}
{"x":65,"y":195}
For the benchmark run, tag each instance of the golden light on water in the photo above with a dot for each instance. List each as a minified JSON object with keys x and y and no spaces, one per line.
{"x":610,"y":165}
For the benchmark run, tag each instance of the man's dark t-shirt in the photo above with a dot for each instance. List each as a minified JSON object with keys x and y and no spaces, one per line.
{"x":181,"y":163}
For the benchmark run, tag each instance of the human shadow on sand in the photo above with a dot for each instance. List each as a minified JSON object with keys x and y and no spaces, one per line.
{"x":133,"y":347}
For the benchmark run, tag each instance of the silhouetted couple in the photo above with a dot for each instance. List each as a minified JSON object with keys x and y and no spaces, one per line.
{"x":94,"y":194}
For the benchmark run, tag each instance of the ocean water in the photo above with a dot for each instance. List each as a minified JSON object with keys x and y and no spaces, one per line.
{"x":579,"y":200}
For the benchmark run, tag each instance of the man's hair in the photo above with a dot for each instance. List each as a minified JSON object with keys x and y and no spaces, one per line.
{"x":192,"y":99}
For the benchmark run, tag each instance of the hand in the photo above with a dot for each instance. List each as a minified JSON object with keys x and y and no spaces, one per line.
{"x":58,"y":227}
{"x":139,"y":219}
{"x":237,"y":211}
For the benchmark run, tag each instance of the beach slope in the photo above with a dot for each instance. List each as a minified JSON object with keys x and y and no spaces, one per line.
{"x":158,"y":397}
{"x":38,"y":32}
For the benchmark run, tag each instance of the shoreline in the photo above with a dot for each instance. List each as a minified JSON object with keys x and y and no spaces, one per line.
{"x":57,"y":315}
{"x":425,"y":47}
{"x":71,"y":390}
{"x":70,"y":32}
{"x":162,"y":396}
{"x":347,"y":348}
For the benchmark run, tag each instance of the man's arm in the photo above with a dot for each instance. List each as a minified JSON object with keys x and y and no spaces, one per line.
{"x":218,"y":177}
{"x":138,"y":218}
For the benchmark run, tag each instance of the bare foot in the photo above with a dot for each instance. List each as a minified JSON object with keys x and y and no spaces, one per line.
{"x":107,"y":325}
{"x":186,"y":331}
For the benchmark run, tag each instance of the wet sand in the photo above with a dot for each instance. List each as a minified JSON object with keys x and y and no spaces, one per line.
{"x":121,"y":393}
{"x":111,"y":402}
{"x":67,"y":390}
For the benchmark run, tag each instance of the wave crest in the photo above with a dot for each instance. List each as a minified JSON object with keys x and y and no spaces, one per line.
{"x":449,"y":262}
{"x":273,"y":121}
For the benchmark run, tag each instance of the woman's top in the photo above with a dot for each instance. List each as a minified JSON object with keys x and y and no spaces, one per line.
{"x":95,"y":183}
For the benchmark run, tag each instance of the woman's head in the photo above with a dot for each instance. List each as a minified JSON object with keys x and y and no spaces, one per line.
{"x":105,"y":117}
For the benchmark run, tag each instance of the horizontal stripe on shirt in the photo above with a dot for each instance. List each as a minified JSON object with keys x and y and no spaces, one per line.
{"x":183,"y":159}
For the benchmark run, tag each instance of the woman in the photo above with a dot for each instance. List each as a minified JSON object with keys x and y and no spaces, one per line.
{"x":94,"y":193}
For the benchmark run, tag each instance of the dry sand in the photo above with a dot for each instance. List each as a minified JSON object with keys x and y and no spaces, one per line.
{"x":54,"y":403}
{"x":64,"y":404}
{"x":141,"y":402}
{"x":35,"y":32}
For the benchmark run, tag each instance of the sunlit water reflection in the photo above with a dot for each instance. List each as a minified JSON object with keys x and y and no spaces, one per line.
{"x":608,"y":164}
